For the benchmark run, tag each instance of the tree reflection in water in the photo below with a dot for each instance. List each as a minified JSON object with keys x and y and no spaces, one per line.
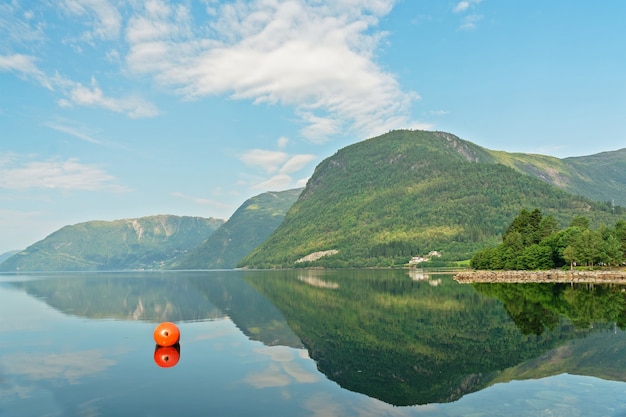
{"x":405,"y":341}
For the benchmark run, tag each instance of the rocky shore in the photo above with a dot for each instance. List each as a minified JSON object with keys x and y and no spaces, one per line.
{"x":598,"y":277}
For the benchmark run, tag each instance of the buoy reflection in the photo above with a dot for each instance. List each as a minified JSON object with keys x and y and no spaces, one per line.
{"x":167,"y":356}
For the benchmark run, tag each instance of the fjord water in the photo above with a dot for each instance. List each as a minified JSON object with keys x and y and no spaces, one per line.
{"x":309,"y":343}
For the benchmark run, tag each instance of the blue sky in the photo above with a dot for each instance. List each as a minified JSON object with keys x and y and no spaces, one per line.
{"x":118,"y":109}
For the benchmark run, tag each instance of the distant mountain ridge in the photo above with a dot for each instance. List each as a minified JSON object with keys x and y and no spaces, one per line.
{"x":139,"y":243}
{"x":7,"y":255}
{"x":375,"y":203}
{"x":383,"y":200}
{"x":600,"y":177}
{"x":249,"y":226}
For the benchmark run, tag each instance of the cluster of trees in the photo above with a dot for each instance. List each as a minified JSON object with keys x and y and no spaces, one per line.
{"x":533,"y":241}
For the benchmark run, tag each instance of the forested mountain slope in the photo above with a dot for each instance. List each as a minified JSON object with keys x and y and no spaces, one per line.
{"x":250,"y":225}
{"x":141,"y":243}
{"x":380,"y":201}
{"x":600,"y":177}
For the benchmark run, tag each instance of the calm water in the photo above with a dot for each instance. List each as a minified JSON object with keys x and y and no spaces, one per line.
{"x":309,"y":343}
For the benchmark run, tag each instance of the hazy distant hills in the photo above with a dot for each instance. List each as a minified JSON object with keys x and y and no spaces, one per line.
{"x":250,"y":225}
{"x":141,"y":243}
{"x":7,"y":255}
{"x":380,"y":201}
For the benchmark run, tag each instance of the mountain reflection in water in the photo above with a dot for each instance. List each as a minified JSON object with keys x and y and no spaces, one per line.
{"x":402,"y":339}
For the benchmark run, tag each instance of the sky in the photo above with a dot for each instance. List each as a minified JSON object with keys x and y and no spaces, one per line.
{"x":114,"y":109}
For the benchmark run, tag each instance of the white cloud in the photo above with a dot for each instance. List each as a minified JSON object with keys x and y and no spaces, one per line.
{"x":76,"y":93}
{"x":276,"y":183}
{"x":25,"y":66}
{"x":269,"y":161}
{"x":302,"y":182}
{"x":296,"y":163}
{"x":470,"y":21}
{"x":317,"y":57}
{"x":464,"y":5}
{"x":277,"y":163}
{"x":461,"y":6}
{"x":20,"y":173}
{"x":93,"y":96}
{"x":106,"y":21}
{"x":318,"y":128}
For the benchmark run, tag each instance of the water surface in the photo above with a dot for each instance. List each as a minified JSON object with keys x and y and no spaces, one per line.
{"x":309,"y":343}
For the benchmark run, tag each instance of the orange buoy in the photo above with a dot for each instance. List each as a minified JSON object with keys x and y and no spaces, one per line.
{"x":166,"y":334}
{"x":167,"y":356}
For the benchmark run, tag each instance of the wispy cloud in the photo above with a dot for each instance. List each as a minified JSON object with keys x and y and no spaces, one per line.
{"x":317,"y":57}
{"x":202,"y":201}
{"x":103,"y":20}
{"x":282,"y":142}
{"x":296,"y":163}
{"x":279,"y":164}
{"x":461,"y":6}
{"x":18,"y":26}
{"x":73,"y":131}
{"x":275,"y":183}
{"x":470,"y":21}
{"x":464,"y":5}
{"x":93,"y":96}
{"x":21,"y":173}
{"x":75,"y":93}
{"x":26,"y":67}
{"x":269,"y":161}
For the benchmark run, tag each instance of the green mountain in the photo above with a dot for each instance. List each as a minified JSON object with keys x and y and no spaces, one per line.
{"x":250,"y":225}
{"x":600,"y":177}
{"x":383,"y":200}
{"x":141,"y":243}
